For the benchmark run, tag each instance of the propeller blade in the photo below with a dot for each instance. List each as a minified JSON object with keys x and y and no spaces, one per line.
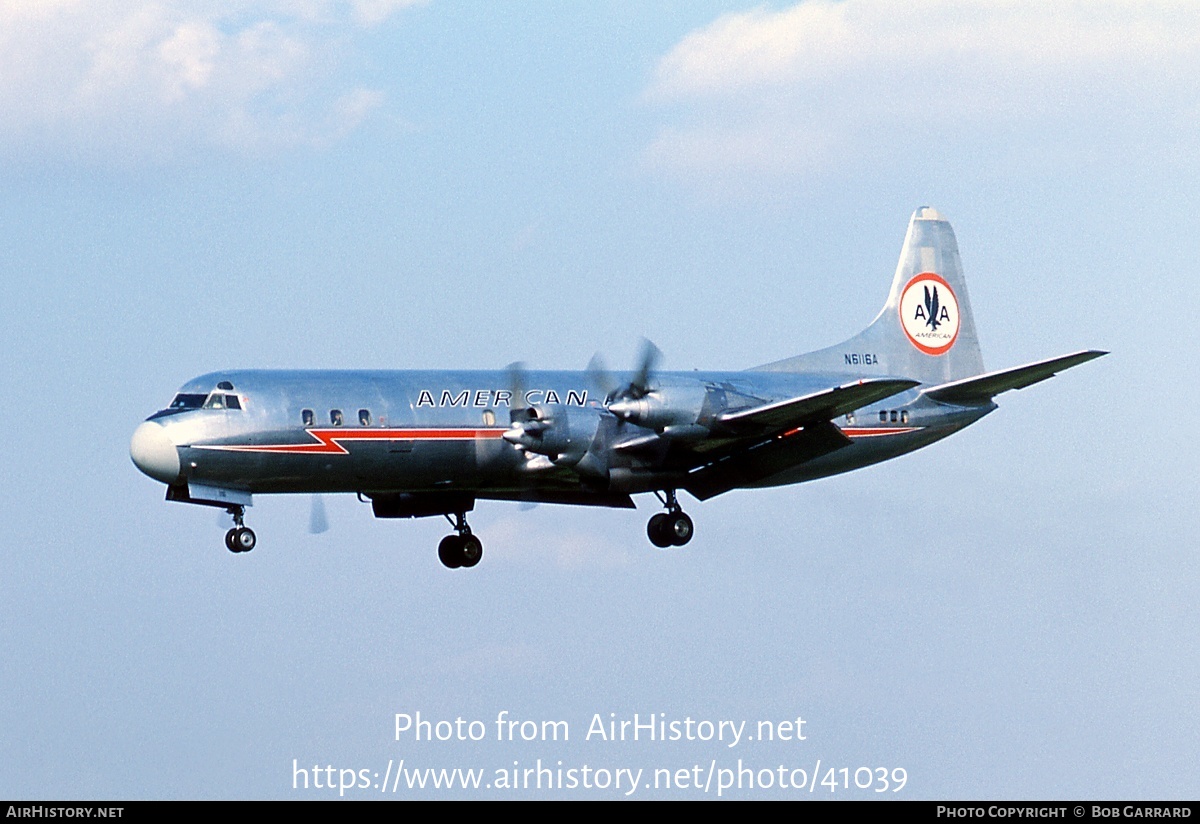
{"x":523,"y":420}
{"x":317,"y":521}
{"x":517,"y":386}
{"x":651,"y":355}
{"x":637,"y":388}
{"x":600,"y":378}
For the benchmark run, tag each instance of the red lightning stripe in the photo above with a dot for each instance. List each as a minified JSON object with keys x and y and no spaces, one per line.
{"x":329,"y":440}
{"x":863,"y":432}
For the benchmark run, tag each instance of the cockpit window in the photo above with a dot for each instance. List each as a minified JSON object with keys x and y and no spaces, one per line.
{"x":183,"y":402}
{"x":226,"y":385}
{"x":219,"y":400}
{"x":187,"y":401}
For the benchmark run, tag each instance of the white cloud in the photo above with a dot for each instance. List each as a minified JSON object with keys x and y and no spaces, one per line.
{"x":157,"y":76}
{"x":189,"y":55}
{"x":788,"y":90}
{"x":373,"y":12}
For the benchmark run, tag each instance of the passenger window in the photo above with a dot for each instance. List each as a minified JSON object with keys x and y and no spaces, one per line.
{"x":335,"y":417}
{"x":850,"y":418}
{"x":883,"y":416}
{"x":895,"y":416}
{"x":364,"y":417}
{"x":307,"y":417}
{"x":489,"y":417}
{"x":904,"y":417}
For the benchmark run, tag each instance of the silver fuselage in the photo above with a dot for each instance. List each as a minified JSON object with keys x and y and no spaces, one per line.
{"x":375,"y":432}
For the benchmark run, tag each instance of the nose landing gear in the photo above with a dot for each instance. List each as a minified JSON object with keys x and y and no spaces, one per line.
{"x":241,"y":538}
{"x":461,"y":550}
{"x":670,"y":528}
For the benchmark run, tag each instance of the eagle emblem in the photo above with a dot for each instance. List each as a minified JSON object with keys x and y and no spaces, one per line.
{"x":931,"y":308}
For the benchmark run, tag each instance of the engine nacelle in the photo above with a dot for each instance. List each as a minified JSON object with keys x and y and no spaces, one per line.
{"x":660,"y":408}
{"x":562,"y":433}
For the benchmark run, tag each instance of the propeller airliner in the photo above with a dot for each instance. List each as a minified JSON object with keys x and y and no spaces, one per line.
{"x":429,"y":443}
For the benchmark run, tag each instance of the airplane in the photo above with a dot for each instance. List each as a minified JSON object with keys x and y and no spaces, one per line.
{"x":430,"y":443}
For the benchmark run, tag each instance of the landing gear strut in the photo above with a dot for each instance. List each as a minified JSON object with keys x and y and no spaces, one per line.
{"x":241,"y":538}
{"x":462,"y":549}
{"x":670,"y":528}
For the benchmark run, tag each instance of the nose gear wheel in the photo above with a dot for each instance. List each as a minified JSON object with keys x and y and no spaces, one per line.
{"x":241,"y":538}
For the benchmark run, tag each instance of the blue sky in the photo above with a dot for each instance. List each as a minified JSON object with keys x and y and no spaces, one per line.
{"x":189,"y":186}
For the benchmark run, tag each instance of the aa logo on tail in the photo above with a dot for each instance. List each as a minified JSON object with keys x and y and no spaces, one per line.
{"x":929,"y":313}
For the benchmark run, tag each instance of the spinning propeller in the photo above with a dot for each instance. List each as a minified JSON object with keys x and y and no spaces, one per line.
{"x":636,"y":389}
{"x":580,"y":438}
{"x":318,"y":522}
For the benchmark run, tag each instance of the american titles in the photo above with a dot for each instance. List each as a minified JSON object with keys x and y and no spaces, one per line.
{"x":483,"y":398}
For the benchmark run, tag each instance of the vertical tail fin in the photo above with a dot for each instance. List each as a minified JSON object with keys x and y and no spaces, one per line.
{"x":925,"y":331}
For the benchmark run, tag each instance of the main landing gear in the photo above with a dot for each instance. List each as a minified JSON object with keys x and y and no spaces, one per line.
{"x":670,"y":528}
{"x":463,"y":549}
{"x":241,"y":538}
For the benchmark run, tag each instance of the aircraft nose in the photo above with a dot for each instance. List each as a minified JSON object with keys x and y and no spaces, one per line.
{"x":153,"y":452}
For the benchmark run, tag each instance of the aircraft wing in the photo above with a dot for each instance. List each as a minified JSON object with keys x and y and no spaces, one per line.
{"x":763,"y":459}
{"x":819,"y":406}
{"x":982,"y":388}
{"x":773,"y":437}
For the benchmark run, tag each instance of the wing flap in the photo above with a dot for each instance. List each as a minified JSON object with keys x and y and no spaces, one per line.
{"x":982,"y":388}
{"x":744,"y":467}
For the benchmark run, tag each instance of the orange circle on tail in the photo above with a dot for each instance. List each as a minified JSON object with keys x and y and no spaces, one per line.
{"x":929,"y":316}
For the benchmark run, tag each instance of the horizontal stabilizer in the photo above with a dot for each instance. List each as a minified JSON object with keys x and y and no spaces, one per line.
{"x":980,"y":389}
{"x":819,"y":406}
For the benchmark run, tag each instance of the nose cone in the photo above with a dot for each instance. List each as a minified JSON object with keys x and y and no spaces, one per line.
{"x":153,"y":452}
